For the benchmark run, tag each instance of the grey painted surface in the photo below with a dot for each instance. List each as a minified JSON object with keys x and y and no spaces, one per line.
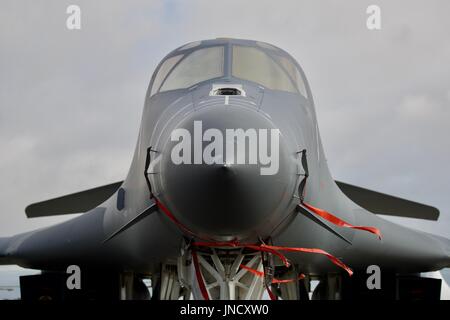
{"x":155,"y":239}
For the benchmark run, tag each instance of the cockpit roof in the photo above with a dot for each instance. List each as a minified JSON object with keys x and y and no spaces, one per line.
{"x":225,"y":58}
{"x":227,"y":41}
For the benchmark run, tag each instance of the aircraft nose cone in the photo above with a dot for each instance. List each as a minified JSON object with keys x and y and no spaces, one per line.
{"x":222,"y":193}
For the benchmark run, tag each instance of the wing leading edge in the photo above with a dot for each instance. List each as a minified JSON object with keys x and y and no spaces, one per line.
{"x":73,"y":203}
{"x":381,"y":203}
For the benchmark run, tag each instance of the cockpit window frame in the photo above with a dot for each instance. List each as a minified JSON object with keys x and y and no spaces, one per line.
{"x":186,"y":53}
{"x":270,"y":53}
{"x":301,"y":87}
{"x":159,"y":71}
{"x":273,"y":53}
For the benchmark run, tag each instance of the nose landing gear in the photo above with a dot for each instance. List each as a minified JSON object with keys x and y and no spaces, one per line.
{"x":220,"y":274}
{"x":210,"y":273}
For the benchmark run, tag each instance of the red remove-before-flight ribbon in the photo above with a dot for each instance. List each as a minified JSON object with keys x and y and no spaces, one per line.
{"x":339,"y":222}
{"x":275,"y":250}
{"x":252,"y":246}
{"x":274,"y":280}
{"x":332,"y":258}
{"x":199,"y":276}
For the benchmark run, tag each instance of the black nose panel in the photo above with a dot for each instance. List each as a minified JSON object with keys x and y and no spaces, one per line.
{"x":226,"y":198}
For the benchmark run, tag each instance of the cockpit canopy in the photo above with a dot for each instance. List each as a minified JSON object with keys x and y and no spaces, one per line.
{"x":252,"y":61}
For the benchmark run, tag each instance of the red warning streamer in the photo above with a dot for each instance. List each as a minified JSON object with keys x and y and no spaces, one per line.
{"x":275,"y":250}
{"x":272,"y":296}
{"x":339,"y":222}
{"x":176,"y":221}
{"x":274,"y":280}
{"x":256,"y":247}
{"x":332,"y":258}
{"x":199,"y":276}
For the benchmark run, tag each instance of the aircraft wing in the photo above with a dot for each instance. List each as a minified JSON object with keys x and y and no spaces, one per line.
{"x":73,"y":203}
{"x":381,"y":203}
{"x":3,"y":246}
{"x":373,"y":201}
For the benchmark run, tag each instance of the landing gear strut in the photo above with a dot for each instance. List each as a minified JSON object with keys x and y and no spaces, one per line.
{"x":224,"y":274}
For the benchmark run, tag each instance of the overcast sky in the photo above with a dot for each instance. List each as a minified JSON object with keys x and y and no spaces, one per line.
{"x":71,"y":101}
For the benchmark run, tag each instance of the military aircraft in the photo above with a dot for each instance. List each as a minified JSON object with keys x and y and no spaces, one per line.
{"x":229,"y":195}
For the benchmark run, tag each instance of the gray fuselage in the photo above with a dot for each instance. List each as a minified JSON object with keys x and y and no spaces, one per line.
{"x":227,"y":200}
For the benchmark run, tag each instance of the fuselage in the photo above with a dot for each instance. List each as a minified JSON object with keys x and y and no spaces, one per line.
{"x":241,"y":174}
{"x":227,"y":200}
{"x":223,"y":126}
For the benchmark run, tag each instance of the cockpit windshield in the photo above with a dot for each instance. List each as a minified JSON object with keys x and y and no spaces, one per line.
{"x":163,"y":71}
{"x":270,"y":68}
{"x":293,"y":73}
{"x":250,"y":63}
{"x":198,"y":66}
